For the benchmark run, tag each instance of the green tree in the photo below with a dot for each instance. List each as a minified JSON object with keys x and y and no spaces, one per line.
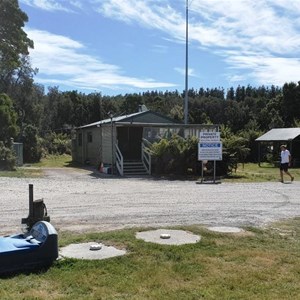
{"x":176,"y":112}
{"x":234,"y":115}
{"x":50,"y":105}
{"x":230,"y":94}
{"x":8,"y":119}
{"x":27,"y":96}
{"x":291,"y":103}
{"x":32,"y":144}
{"x":250,"y":133}
{"x":131,"y":104}
{"x":235,"y":150}
{"x":95,"y":107}
{"x":14,"y":42}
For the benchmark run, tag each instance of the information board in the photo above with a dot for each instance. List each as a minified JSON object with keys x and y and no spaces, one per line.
{"x":210,"y":151}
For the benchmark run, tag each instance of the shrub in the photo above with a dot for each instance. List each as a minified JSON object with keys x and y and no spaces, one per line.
{"x":234,"y":152}
{"x":7,"y":158}
{"x":57,"y":143}
{"x":174,"y":155}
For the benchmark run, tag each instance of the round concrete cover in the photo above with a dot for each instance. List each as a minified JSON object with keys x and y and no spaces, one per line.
{"x":177,"y":237}
{"x":82,"y":251}
{"x":225,"y":229}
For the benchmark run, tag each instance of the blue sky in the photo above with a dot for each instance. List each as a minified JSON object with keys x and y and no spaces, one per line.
{"x":131,"y":46}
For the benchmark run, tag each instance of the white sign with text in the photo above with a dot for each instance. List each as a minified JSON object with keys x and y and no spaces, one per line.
{"x":209,"y":136}
{"x":210,"y":151}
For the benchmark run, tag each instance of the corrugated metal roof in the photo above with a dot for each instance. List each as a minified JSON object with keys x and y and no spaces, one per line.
{"x":279,"y":134}
{"x":139,"y":117}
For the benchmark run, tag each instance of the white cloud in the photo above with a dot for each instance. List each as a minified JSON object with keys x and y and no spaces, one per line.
{"x":254,"y":37}
{"x":62,"y":60}
{"x":263,"y":68}
{"x":50,"y":5}
{"x":160,"y":49}
{"x":270,"y":70}
{"x":147,"y":13}
{"x":191,"y":72}
{"x":77,"y":3}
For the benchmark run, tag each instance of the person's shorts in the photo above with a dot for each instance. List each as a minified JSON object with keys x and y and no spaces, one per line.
{"x":284,"y":167}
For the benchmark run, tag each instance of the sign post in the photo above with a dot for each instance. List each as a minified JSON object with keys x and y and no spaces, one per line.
{"x":209,"y":148}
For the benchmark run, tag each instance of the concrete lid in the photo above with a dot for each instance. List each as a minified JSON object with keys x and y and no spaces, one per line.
{"x":225,"y":229}
{"x":90,"y":251}
{"x":168,"y":237}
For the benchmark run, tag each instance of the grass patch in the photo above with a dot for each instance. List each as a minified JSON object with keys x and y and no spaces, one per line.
{"x":55,"y":161}
{"x":22,"y":173}
{"x":251,"y":172}
{"x":36,"y":169}
{"x":264,"y":264}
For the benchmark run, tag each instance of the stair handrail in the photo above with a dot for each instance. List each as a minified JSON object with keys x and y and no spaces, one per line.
{"x":146,"y":156}
{"x":119,"y":160}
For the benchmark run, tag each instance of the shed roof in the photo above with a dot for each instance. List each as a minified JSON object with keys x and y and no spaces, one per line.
{"x":279,"y":134}
{"x":143,"y":117}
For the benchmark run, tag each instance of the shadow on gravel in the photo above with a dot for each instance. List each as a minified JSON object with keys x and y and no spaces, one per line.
{"x":96,"y":174}
{"x":165,"y":177}
{"x":74,"y":164}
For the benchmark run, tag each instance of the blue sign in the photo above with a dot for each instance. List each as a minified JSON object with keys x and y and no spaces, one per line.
{"x":210,"y":145}
{"x":210,"y":151}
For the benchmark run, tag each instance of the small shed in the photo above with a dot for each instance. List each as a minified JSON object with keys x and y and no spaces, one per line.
{"x":119,"y":140}
{"x":277,"y":136}
{"x":18,"y":148}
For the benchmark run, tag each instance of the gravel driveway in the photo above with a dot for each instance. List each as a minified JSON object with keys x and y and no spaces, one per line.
{"x":82,"y":201}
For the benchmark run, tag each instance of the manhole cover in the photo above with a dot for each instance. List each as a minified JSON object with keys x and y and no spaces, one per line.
{"x":90,"y":251}
{"x":225,"y":229}
{"x":168,"y":237}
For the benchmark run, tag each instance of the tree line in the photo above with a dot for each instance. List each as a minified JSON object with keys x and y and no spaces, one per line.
{"x":43,"y":118}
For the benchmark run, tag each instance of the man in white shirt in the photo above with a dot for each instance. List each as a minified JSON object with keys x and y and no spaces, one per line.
{"x":285,"y":162}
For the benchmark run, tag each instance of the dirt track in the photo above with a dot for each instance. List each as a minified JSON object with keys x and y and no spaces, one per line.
{"x":82,"y":201}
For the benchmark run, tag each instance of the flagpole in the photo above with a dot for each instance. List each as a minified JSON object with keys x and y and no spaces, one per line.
{"x":186,"y":64}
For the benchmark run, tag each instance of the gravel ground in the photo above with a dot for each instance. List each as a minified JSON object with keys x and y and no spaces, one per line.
{"x":84,"y":201}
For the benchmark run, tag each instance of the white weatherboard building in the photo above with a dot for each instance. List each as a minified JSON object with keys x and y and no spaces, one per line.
{"x":120,"y":142}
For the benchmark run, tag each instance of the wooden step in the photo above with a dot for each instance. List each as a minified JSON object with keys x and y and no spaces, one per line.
{"x":134,"y":168}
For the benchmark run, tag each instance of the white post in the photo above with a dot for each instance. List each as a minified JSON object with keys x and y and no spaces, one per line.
{"x":186,"y":64}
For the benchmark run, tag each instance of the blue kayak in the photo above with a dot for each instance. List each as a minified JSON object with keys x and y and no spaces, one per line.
{"x":36,"y":249}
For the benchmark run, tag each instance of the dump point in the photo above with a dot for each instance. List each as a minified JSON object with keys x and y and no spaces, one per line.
{"x":90,"y":251}
{"x":168,"y":237}
{"x":225,"y":229}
